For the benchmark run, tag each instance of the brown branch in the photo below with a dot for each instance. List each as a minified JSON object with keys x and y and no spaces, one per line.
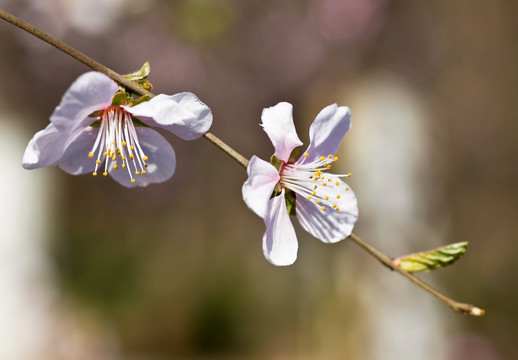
{"x":385,"y":260}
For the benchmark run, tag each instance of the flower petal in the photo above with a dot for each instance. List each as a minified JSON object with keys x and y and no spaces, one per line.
{"x":258,"y":188}
{"x":279,"y":241}
{"x":45,"y":148}
{"x":327,"y":131}
{"x":182,"y":114}
{"x":162,"y":160}
{"x":90,"y":92}
{"x":329,"y":225}
{"x":278,"y":124}
{"x":75,"y":160}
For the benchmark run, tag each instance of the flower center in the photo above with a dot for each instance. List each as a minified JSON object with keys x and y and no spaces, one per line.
{"x":117,"y":144}
{"x":312,"y":181}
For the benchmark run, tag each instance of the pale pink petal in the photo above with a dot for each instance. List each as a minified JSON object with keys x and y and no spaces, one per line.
{"x":161,"y":160}
{"x":278,"y":124}
{"x":258,"y":188}
{"x":182,"y":114}
{"x":90,"y":92}
{"x":279,"y":241}
{"x":329,"y":225}
{"x":327,"y":131}
{"x":45,"y":148}
{"x":75,"y":160}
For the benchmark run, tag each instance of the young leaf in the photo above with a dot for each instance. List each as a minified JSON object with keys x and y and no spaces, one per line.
{"x":140,"y":74}
{"x":432,"y":259}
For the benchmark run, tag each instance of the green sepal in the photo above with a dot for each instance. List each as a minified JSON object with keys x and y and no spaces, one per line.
{"x":119,"y":98}
{"x":96,"y":124}
{"x":431,"y":259}
{"x":294,"y":155}
{"x":96,"y":114}
{"x":277,"y":163}
{"x":141,"y":99}
{"x":140,"y":74}
{"x":290,"y":202}
{"x":276,"y":191}
{"x":145,"y":84}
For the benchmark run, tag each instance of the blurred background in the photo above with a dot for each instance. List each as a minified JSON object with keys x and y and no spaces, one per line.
{"x":92,"y":270}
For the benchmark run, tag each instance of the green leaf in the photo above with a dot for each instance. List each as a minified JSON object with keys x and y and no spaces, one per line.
{"x":119,"y":98}
{"x":140,"y":74}
{"x":290,"y":202}
{"x":432,"y":259}
{"x":140,"y":100}
{"x":277,"y":163}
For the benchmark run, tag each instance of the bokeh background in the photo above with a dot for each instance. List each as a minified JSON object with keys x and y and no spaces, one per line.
{"x":92,"y":270}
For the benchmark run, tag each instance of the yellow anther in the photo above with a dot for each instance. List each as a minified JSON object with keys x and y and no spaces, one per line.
{"x":315,"y":187}
{"x":349,"y":175}
{"x":337,"y":183}
{"x":317,"y":202}
{"x":322,"y":158}
{"x":94,"y":173}
{"x":306,"y":155}
{"x":330,"y":156}
{"x":124,"y":143}
{"x":114,"y":158}
{"x":338,"y":196}
{"x":123,"y":158}
{"x":144,"y":158}
{"x":346,"y":188}
{"x":123,"y":166}
{"x":146,"y":165}
{"x":324,"y":184}
{"x":328,"y":167}
{"x":313,"y":193}
{"x":137,"y":172}
{"x":334,"y":206}
{"x":309,"y":197}
{"x":132,"y":157}
{"x":326,"y":197}
{"x":97,"y":161}
{"x":337,"y":208}
{"x":115,"y":166}
{"x":90,"y":154}
{"x":323,"y":208}
{"x":132,"y":181}
{"x":336,"y":158}
{"x":105,"y":173}
{"x":143,"y":172}
{"x":329,"y":179}
{"x":132,"y":147}
{"x":113,"y":142}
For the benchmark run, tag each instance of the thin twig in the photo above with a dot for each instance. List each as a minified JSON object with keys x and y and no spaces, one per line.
{"x":385,"y":260}
{"x":97,"y":66}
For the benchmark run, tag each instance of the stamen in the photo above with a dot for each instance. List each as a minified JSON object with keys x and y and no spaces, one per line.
{"x":118,"y":140}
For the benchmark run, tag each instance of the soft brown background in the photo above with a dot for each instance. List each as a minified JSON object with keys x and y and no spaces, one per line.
{"x":176,"y":271}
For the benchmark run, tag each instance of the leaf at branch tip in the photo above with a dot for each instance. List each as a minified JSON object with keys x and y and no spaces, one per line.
{"x":431,"y":259}
{"x":140,"y":74}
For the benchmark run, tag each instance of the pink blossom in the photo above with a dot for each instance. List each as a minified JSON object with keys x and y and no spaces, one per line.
{"x":88,"y":133}
{"x":322,"y":202}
